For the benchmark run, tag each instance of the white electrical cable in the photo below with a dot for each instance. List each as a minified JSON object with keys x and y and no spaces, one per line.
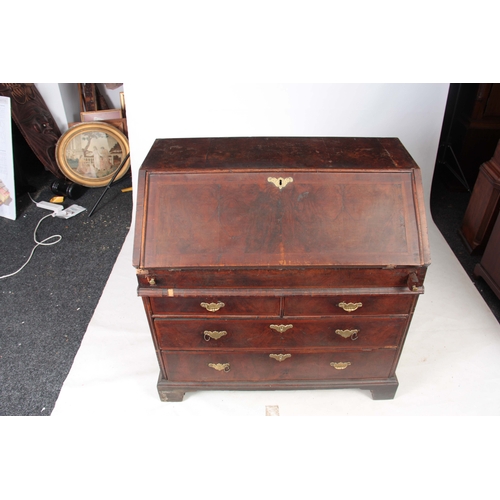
{"x":44,"y":242}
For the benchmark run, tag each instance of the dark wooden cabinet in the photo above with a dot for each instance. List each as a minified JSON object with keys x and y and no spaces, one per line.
{"x":279,"y":263}
{"x":489,"y":267}
{"x":483,"y":206}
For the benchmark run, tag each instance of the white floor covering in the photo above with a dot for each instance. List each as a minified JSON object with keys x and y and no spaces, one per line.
{"x":450,"y":364}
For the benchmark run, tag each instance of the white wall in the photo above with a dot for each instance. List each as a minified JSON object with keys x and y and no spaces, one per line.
{"x":51,"y":94}
{"x":412,"y":112}
{"x":71,"y":100}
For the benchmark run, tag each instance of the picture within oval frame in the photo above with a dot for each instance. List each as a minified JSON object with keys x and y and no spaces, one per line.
{"x":90,"y":154}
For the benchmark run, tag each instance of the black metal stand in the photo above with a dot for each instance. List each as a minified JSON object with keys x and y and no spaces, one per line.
{"x":109,"y":184}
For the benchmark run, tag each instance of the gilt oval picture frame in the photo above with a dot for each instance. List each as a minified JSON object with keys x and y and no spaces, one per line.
{"x":90,"y":153}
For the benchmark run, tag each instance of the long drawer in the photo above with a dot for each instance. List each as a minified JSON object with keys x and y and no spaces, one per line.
{"x":210,"y":366}
{"x":222,"y":333}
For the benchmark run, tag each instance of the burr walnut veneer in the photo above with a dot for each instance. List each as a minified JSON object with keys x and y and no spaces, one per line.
{"x":279,"y":263}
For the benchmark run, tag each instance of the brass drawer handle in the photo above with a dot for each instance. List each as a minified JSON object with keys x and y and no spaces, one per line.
{"x":351,"y":306}
{"x":281,"y":328}
{"x":340,"y":365}
{"x":279,"y":182}
{"x":212,"y":307}
{"x":348,"y":333}
{"x":220,"y":366}
{"x":280,"y":357}
{"x":207,"y":335}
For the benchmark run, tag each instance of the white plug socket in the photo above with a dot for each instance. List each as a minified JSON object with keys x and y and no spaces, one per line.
{"x":49,"y":206}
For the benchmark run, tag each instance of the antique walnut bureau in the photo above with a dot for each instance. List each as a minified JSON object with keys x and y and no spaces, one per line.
{"x":279,"y":263}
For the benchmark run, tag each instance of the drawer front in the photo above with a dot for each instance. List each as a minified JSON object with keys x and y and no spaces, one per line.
{"x":345,"y":305}
{"x":224,"y":366}
{"x":349,"y":332}
{"x":284,"y":277}
{"x":216,"y":306}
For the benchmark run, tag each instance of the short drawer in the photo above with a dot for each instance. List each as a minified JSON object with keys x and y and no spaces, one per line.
{"x":345,"y":305}
{"x":216,"y":306}
{"x":277,"y":365}
{"x":348,"y":332}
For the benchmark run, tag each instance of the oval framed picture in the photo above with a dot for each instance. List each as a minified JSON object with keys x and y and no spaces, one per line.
{"x":90,"y":153}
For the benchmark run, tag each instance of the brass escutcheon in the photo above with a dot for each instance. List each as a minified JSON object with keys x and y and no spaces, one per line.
{"x":348,"y":333}
{"x":280,"y":328}
{"x":220,"y":366}
{"x":280,"y":357}
{"x":207,"y":335}
{"x":212,"y":307}
{"x":279,"y":182}
{"x":351,"y":306}
{"x":340,"y":365}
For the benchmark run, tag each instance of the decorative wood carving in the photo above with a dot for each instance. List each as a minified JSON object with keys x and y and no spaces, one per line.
{"x":35,"y":122}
